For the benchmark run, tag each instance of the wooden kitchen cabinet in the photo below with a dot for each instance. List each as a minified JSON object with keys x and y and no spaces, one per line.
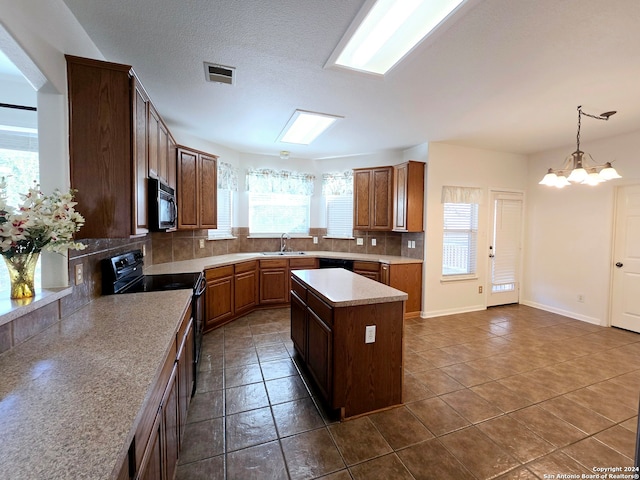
{"x":406,"y":277}
{"x":107,"y":147}
{"x":300,"y":263}
{"x":219,"y":296}
{"x":373,"y":198}
{"x":186,"y":374}
{"x":367,"y":269}
{"x":352,"y":376}
{"x":408,"y":197}
{"x":197,"y":187}
{"x":245,"y":286}
{"x":274,"y":281}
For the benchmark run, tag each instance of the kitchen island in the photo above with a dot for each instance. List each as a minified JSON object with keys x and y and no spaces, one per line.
{"x":347,"y":331}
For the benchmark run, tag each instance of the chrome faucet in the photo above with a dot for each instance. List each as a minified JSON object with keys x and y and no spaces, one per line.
{"x":283,"y":241}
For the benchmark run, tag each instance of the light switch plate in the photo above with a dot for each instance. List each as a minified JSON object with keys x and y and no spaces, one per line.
{"x":370,"y":334}
{"x":315,"y":240}
{"x":373,"y":242}
{"x":201,"y":243}
{"x":359,"y":241}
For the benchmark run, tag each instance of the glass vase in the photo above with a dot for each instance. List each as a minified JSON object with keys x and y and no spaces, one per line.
{"x":22,"y":269}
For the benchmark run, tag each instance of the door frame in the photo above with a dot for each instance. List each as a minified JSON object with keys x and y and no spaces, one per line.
{"x":489,"y":239}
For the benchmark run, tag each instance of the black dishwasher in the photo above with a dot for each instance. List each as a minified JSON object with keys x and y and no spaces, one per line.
{"x":335,"y":263}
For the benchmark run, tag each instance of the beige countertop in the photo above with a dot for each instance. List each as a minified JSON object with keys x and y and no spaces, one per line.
{"x":70,"y":396}
{"x":200,"y":264}
{"x":341,"y":288}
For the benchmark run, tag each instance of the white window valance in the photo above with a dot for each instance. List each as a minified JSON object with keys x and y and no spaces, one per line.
{"x":265,"y":180}
{"x":337,"y":183}
{"x":452,"y":194}
{"x":227,"y":177}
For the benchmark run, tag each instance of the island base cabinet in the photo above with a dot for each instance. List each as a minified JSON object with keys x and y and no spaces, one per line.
{"x":352,"y":376}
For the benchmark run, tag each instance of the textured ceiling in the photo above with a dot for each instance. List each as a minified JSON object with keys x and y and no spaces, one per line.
{"x":504,"y":74}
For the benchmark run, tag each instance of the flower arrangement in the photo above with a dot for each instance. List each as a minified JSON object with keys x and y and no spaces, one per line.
{"x":40,"y":222}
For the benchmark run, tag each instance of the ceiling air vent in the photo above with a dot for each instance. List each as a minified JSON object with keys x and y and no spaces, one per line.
{"x":219,"y":73}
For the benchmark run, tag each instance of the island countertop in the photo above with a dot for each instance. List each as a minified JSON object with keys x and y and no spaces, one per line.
{"x":342,"y":288}
{"x":71,"y":396}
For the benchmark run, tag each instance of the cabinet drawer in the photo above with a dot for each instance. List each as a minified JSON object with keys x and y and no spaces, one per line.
{"x":219,"y":272}
{"x":302,"y":263}
{"x":246,"y":266}
{"x":300,"y":289}
{"x":366,"y":266}
{"x":273,"y":263}
{"x":320,"y":308}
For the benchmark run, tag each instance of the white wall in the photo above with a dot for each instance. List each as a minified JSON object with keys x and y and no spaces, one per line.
{"x":569,"y":232}
{"x":468,"y":167}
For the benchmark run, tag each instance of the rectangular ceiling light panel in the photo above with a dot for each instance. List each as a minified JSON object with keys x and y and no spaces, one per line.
{"x":304,"y":127}
{"x":388,"y":32}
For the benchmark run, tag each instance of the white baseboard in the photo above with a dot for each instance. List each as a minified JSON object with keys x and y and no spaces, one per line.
{"x":566,"y":313}
{"x":452,"y":311}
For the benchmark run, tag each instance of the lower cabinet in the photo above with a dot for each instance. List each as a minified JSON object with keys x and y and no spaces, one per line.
{"x":274,"y":281}
{"x":220,"y":297}
{"x":153,"y":454}
{"x":245,"y":287}
{"x":406,"y":277}
{"x":319,"y":353}
{"x":299,"y":325}
{"x":367,"y":269}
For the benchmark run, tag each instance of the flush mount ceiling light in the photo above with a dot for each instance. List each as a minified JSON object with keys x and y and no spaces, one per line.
{"x":284,"y":155}
{"x":304,"y":127}
{"x":576,"y":166}
{"x":389,"y":30}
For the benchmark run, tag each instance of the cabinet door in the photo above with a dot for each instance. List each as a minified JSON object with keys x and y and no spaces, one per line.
{"x":208,"y":192}
{"x":273,"y":286}
{"x":163,"y":152}
{"x":151,"y":466}
{"x":219,"y":301}
{"x":187,"y":189}
{"x":171,"y":163}
{"x":408,"y":278}
{"x":171,"y":431}
{"x":246,"y":290}
{"x":299,"y":325}
{"x":382,"y":192}
{"x":154,"y":141}
{"x":100,"y":133}
{"x":185,"y":377}
{"x":320,"y":354}
{"x":140,"y":168}
{"x":408,"y":201}
{"x":400,"y":197}
{"x":361,"y":199}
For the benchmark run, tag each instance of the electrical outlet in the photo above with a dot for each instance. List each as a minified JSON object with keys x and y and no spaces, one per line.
{"x":359,"y":241}
{"x":408,"y":243}
{"x":79,"y":274}
{"x":373,"y":242}
{"x":201,"y":243}
{"x":581,"y":298}
{"x":315,"y":240}
{"x":370,"y":334}
{"x":480,"y":289}
{"x":413,"y":244}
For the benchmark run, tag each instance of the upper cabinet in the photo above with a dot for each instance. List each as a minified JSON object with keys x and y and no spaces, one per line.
{"x":197,"y":187}
{"x":107,"y":146}
{"x":389,"y":198}
{"x":372,"y":198}
{"x":162,"y":156}
{"x":408,"y":197}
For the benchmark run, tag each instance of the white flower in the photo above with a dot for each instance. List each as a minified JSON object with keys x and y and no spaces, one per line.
{"x":40,"y":222}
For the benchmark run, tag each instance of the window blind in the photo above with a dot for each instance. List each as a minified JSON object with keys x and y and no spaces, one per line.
{"x":339,"y":215}
{"x":506,"y":244}
{"x":460,"y":238}
{"x":225,"y":214}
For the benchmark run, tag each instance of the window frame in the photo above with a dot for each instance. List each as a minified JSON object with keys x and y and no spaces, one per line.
{"x":471,"y":231}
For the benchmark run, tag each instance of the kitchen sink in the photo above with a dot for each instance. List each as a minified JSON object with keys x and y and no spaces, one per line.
{"x":284,"y":253}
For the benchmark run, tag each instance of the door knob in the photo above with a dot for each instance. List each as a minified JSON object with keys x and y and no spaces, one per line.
{"x":619,"y":264}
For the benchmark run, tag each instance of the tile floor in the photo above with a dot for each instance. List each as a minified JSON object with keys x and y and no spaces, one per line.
{"x":510,"y":393}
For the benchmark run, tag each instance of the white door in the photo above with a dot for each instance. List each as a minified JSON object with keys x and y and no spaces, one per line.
{"x":505,"y":248}
{"x":625,"y":295}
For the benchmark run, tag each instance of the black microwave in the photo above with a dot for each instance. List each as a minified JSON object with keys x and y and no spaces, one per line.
{"x":163,"y":211}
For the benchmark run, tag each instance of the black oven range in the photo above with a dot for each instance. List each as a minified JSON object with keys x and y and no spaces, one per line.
{"x":123,"y":274}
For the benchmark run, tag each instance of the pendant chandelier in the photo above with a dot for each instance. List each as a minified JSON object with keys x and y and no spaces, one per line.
{"x":579,"y":167}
